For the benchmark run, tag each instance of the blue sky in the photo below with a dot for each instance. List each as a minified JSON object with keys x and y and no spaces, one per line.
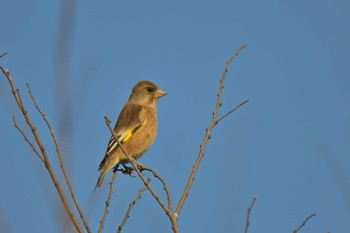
{"x":289,"y":145}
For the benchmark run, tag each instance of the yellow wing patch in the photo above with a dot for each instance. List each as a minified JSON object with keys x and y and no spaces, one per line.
{"x":127,"y":136}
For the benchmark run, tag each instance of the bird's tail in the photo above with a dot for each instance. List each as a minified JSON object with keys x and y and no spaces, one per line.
{"x":100,"y":178}
{"x":108,"y":162}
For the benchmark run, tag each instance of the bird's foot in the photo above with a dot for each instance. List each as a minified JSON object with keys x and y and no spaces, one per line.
{"x":140,"y":167}
{"x":127,"y":171}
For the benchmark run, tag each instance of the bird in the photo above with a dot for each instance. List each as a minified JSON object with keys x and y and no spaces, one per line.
{"x":136,"y":128}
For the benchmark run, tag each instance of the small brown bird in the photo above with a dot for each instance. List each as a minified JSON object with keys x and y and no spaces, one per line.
{"x":136,"y":127}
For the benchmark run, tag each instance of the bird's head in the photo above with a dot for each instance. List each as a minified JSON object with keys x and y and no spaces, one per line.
{"x":146,"y":92}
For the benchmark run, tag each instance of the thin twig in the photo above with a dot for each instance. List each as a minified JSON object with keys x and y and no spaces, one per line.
{"x":167,"y":191}
{"x":232,"y":110}
{"x":247,"y":222}
{"x":303,"y":224}
{"x":207,"y":135}
{"x":105,"y":213}
{"x":26,"y":139}
{"x":3,"y":54}
{"x":171,"y":216}
{"x":61,"y":159}
{"x":48,"y":166}
{"x":131,"y":205}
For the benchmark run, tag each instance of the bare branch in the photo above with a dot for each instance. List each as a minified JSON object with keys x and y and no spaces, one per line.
{"x":232,"y":110}
{"x":167,"y":211}
{"x":105,"y":213}
{"x":48,"y":166}
{"x":26,"y":139}
{"x":247,"y":222}
{"x":303,"y":224}
{"x":131,"y":205}
{"x":207,"y":135}
{"x":3,"y":54}
{"x":61,"y":159}
{"x":166,"y":189}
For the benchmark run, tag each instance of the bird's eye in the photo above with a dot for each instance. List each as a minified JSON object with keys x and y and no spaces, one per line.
{"x":150,"y":89}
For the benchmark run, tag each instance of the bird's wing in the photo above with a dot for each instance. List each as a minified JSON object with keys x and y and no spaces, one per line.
{"x":129,"y":121}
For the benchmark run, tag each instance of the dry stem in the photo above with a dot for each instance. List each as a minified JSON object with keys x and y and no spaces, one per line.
{"x":167,"y":191}
{"x":105,"y":213}
{"x":45,"y":156}
{"x":208,"y":132}
{"x":131,"y":205}
{"x":303,"y":224}
{"x":61,"y":159}
{"x":26,"y":139}
{"x":247,"y":222}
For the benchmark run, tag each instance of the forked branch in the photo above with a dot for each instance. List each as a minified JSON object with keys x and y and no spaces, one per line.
{"x":208,"y":130}
{"x":43,"y":151}
{"x":135,"y":165}
{"x":61,"y":159}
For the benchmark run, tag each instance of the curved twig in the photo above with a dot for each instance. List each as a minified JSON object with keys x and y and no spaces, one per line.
{"x":303,"y":224}
{"x":167,"y":191}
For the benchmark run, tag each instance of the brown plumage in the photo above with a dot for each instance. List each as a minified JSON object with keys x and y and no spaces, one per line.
{"x":136,"y":127}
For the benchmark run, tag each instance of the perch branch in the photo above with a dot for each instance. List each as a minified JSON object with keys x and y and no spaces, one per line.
{"x":133,"y":161}
{"x":167,"y":211}
{"x":208,"y":133}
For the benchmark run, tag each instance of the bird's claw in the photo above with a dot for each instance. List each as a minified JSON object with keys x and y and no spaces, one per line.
{"x":127,"y":171}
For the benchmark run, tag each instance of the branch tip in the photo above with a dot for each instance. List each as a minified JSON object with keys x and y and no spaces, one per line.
{"x":304,"y":222}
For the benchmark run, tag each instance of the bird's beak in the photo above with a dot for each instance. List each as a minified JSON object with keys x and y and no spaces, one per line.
{"x":160,"y":93}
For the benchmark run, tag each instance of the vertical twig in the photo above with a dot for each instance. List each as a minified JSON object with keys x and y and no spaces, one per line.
{"x":105,"y":213}
{"x":61,"y":159}
{"x":208,"y":133}
{"x":247,"y":222}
